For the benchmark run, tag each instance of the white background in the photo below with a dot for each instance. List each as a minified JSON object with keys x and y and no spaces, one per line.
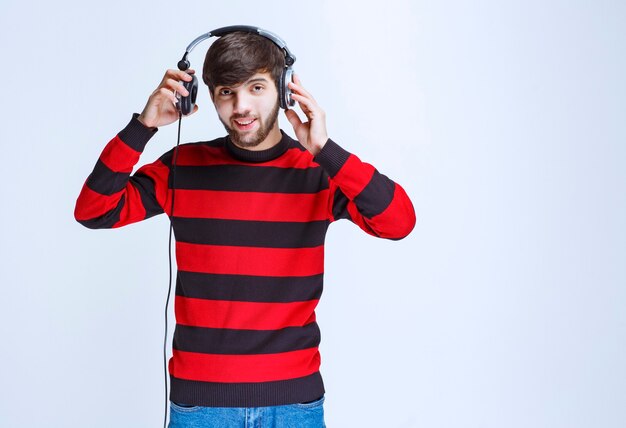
{"x":503,"y":120}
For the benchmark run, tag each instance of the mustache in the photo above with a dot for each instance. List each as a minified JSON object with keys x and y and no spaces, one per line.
{"x":242,"y":115}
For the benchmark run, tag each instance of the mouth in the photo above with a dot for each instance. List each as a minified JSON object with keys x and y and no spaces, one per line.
{"x":244,"y":124}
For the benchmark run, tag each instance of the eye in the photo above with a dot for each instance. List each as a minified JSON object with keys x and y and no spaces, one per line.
{"x":257,"y":88}
{"x":225,"y":91}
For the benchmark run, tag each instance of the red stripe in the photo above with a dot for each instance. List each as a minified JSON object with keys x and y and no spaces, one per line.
{"x":119,"y":156}
{"x":244,"y":368}
{"x":223,"y":259}
{"x":243,"y":315}
{"x":359,"y":219}
{"x":353,"y":176}
{"x":92,"y":204}
{"x":202,"y":155}
{"x":251,"y":205}
{"x":398,"y":220}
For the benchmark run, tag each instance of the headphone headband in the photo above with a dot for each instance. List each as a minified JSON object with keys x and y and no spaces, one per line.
{"x":219,"y":32}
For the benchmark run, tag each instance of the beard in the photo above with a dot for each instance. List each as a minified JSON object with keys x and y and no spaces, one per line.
{"x":247,"y":139}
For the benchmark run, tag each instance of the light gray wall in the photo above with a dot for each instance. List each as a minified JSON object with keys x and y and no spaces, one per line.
{"x":503,"y":120}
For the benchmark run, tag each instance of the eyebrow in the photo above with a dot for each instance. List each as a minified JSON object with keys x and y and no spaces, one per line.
{"x":258,"y":79}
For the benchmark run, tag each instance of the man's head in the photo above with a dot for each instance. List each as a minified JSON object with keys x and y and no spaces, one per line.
{"x":242,"y":71}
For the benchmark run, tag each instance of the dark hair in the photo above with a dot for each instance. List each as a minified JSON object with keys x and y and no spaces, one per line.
{"x":235,"y":57}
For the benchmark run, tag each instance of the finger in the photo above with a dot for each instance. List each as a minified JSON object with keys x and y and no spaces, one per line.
{"x":293,"y":118}
{"x":300,"y":88}
{"x":186,"y":75}
{"x":177,"y":86}
{"x":307,"y":105}
{"x":166,"y":93}
{"x":179,"y":74}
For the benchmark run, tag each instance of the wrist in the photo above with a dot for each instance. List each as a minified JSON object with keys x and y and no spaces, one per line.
{"x":332,"y":158}
{"x":136,"y":134}
{"x":143,"y":121}
{"x":317,"y":148}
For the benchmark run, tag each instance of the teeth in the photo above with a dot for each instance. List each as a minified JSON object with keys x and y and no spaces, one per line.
{"x":245,"y":123}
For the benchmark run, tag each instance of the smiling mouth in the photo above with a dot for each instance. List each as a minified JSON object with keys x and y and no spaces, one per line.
{"x":244,"y":124}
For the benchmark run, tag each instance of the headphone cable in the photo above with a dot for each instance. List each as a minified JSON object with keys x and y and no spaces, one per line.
{"x":169,"y":291}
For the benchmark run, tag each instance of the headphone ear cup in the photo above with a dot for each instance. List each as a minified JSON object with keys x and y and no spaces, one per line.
{"x":282,"y":90}
{"x":186,"y":104}
{"x":286,"y":100}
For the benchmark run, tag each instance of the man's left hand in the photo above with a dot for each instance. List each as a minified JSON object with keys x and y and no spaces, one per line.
{"x":311,"y":134}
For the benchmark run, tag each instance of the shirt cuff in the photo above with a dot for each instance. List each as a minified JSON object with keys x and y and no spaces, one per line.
{"x":136,"y":135}
{"x":332,"y":157}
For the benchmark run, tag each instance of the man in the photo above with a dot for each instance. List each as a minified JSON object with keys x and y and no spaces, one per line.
{"x":250,"y":213}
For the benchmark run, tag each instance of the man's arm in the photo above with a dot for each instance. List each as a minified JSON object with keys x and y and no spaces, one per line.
{"x":111,"y":197}
{"x":364,"y":196}
{"x":358,"y":191}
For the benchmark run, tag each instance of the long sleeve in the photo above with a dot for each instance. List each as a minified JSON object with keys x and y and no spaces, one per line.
{"x":364,"y":196}
{"x":111,"y":197}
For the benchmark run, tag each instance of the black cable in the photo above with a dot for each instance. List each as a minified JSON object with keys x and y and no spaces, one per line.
{"x":169,"y":291}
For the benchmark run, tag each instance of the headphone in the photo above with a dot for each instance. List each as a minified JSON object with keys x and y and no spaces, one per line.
{"x":186,"y":104}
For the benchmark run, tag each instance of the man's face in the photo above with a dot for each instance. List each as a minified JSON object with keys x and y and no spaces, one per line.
{"x":248,"y":110}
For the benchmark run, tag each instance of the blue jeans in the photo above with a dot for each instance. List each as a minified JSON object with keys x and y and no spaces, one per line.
{"x":298,"y":415}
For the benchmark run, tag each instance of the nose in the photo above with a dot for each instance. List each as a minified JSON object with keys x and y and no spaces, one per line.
{"x":242,"y":103}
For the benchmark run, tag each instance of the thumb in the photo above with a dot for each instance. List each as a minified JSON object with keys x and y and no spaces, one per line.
{"x":195,"y":109}
{"x":293,"y":118}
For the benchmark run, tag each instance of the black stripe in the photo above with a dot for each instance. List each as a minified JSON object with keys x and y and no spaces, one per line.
{"x":245,"y":342}
{"x":376,"y":196}
{"x":107,"y":220}
{"x":145,"y":187}
{"x":246,"y":178}
{"x":105,"y":181}
{"x":340,"y":205}
{"x":246,"y":394}
{"x":249,"y":288}
{"x":250,"y":233}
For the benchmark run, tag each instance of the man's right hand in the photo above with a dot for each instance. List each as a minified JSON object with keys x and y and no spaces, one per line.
{"x":161,"y":107}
